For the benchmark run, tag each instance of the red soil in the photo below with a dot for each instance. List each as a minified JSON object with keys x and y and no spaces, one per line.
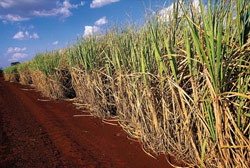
{"x":37,"y":134}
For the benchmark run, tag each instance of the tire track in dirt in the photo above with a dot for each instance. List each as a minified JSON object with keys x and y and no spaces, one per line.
{"x":45,"y":134}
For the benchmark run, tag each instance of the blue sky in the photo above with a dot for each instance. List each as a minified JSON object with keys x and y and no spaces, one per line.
{"x":31,"y":26}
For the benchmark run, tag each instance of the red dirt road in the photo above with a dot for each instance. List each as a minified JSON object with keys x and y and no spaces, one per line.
{"x":37,"y":134}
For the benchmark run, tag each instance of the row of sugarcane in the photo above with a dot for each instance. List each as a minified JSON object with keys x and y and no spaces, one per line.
{"x":179,"y":83}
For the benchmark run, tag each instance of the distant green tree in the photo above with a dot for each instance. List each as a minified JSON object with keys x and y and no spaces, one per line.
{"x":15,"y":63}
{"x":1,"y":71}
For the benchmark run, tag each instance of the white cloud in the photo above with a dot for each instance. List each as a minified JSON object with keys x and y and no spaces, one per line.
{"x":82,"y":3}
{"x":165,"y":13}
{"x":34,"y":36}
{"x":91,"y":30}
{"x":13,"y":3}
{"x":62,"y":9}
{"x":18,"y":35}
{"x":6,"y":3}
{"x":55,"y":42}
{"x":100,"y":3}
{"x":15,"y":50}
{"x":17,"y":53}
{"x":196,"y":4}
{"x":25,"y":35}
{"x":101,"y":21}
{"x":17,"y":57}
{"x":13,"y":18}
{"x":22,"y":10}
